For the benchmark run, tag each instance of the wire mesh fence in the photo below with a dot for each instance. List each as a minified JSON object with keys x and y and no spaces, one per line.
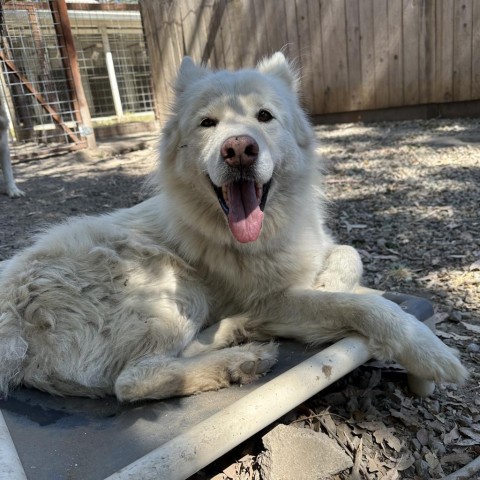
{"x":36,"y":81}
{"x":113,"y":58}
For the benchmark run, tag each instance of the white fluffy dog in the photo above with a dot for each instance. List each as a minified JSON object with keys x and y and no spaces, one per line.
{"x":234,"y":240}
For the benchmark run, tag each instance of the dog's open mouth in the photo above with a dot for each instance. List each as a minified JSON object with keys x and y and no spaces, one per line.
{"x":243,"y":202}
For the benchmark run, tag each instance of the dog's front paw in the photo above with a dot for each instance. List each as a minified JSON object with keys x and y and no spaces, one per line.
{"x":400,"y":336}
{"x":251,"y":361}
{"x":14,"y":192}
{"x":428,"y":357}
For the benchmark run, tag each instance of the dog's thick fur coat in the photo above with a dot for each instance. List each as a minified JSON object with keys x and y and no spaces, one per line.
{"x":170,"y":297}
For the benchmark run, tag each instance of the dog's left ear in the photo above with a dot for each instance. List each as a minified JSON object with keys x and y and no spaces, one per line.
{"x":188,"y":73}
{"x":279,"y":66}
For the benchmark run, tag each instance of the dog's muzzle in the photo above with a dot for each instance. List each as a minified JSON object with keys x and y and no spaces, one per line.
{"x":242,"y":199}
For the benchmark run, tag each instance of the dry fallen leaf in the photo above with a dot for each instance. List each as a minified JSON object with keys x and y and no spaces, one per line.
{"x":329,"y":424}
{"x":452,"y":335}
{"x":232,"y":471}
{"x":406,"y":417}
{"x":474,"y":266}
{"x":375,"y":465}
{"x":372,"y":426}
{"x":386,"y":435}
{"x":391,"y":475}
{"x":470,"y":433}
{"x":432,"y":460}
{"x":471,"y":328}
{"x":460,"y":458}
{"x":405,"y":461}
{"x":422,"y":436}
{"x":451,"y":436}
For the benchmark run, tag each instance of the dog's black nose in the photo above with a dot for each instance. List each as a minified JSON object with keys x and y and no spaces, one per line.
{"x":240,"y":152}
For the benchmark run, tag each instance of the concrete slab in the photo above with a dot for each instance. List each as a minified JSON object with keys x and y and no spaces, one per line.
{"x":300,"y":453}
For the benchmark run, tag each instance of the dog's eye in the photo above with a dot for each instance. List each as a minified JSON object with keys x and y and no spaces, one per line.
{"x":208,"y":122}
{"x":264,"y":116}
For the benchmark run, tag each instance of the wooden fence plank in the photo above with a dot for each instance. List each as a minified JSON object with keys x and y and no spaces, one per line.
{"x":462,"y":50}
{"x":173,"y":38}
{"x":191,"y":14}
{"x":380,"y":25}
{"x":353,"y":54}
{"x":250,"y":54}
{"x":395,"y":56}
{"x":339,"y":47}
{"x":367,"y":53}
{"x":410,"y":25}
{"x":218,"y":19}
{"x":326,"y":26}
{"x":281,"y":21}
{"x":476,"y":50}
{"x":445,"y":52}
{"x":147,"y":9}
{"x":226,"y":37}
{"x":163,"y":49}
{"x":292,"y":48}
{"x":233,"y":31}
{"x":316,"y":57}
{"x":202,"y":11}
{"x":305,"y":49}
{"x":437,"y":86}
{"x":426,"y":51}
{"x":262,"y":25}
{"x":275,"y":15}
{"x":210,"y":29}
{"x":172,"y":44}
{"x":334,"y":55}
{"x":354,"y":62}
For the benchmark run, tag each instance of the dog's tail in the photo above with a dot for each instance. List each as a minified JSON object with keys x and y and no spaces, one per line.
{"x":13,"y":349}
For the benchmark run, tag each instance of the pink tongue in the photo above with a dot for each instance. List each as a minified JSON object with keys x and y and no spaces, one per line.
{"x":244,"y":217}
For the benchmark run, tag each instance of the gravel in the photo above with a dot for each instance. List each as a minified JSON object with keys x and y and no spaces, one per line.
{"x":406,"y":195}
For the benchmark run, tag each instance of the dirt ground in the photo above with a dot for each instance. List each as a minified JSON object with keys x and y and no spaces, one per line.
{"x":407,"y":196}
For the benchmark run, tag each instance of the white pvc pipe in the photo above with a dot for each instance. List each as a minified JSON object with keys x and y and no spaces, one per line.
{"x":112,"y":77}
{"x":187,"y":453}
{"x":10,"y":464}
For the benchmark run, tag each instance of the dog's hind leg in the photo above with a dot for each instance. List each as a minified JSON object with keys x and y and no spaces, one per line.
{"x":158,"y":377}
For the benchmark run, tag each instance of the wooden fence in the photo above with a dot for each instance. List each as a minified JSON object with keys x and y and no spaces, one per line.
{"x":354,"y":54}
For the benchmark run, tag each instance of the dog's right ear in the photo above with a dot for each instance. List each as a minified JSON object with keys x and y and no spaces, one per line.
{"x":188,"y":73}
{"x":278,"y":66}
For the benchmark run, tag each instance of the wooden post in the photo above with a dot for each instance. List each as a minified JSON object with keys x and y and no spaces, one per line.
{"x":67,"y":47}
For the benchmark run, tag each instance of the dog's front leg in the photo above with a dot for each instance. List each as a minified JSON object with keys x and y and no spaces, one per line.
{"x":342,"y":270}
{"x":12,"y":189}
{"x":317,"y":317}
{"x":225,"y":333}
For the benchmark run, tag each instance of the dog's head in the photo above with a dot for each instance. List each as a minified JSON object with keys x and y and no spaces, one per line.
{"x":236,"y":140}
